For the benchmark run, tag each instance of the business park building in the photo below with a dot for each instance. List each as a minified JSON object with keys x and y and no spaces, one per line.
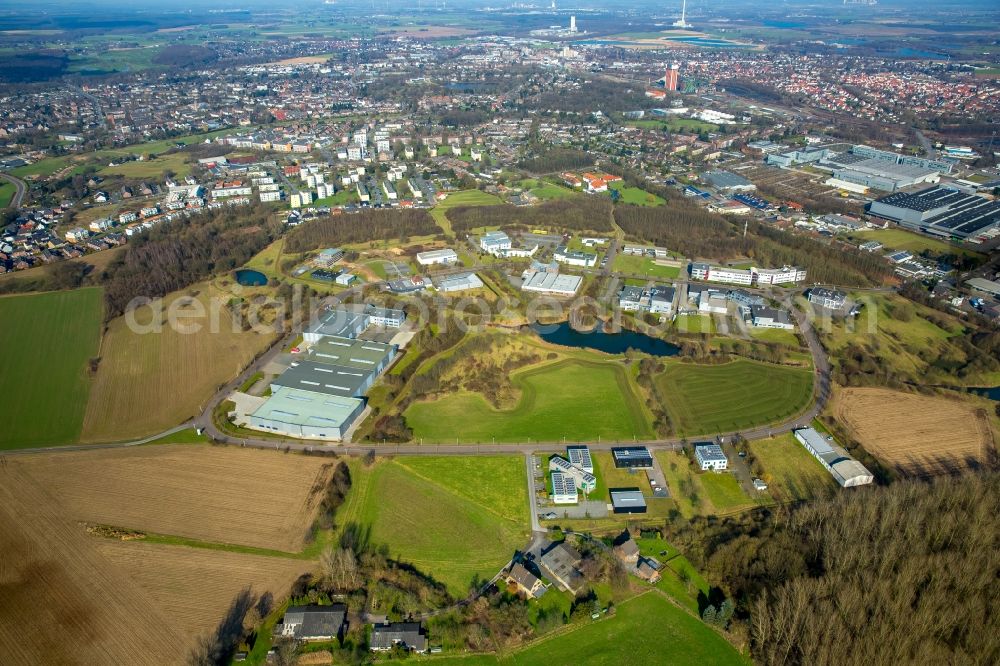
{"x":322,"y":392}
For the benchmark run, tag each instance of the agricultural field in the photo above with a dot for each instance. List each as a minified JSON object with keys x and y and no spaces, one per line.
{"x":148,"y":382}
{"x":632,"y":265}
{"x":914,"y":434}
{"x":187,"y":490}
{"x":791,"y":473}
{"x":645,"y":630}
{"x":740,"y":394}
{"x":194,"y":587}
{"x":46,"y":341}
{"x":62,"y":601}
{"x":548,"y":410}
{"x":452,"y":518}
{"x":900,"y":239}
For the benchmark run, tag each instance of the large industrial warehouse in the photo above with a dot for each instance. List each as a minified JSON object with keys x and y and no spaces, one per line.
{"x":941,"y":211}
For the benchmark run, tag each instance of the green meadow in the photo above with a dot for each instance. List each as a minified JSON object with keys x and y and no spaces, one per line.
{"x":454,"y":518}
{"x":573,"y":399}
{"x":647,"y":630}
{"x":45,"y":342}
{"x":708,"y":399}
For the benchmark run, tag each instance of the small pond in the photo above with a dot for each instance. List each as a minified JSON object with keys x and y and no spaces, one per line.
{"x":611,"y":343}
{"x":251,"y":278}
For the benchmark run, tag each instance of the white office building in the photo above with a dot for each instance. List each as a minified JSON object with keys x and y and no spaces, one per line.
{"x":563,"y":489}
{"x":711,"y":456}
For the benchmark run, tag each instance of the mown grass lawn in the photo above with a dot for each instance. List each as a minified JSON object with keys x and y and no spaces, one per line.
{"x":45,"y":343}
{"x":575,"y":399}
{"x":645,"y":630}
{"x":632,"y":265}
{"x":7,"y":192}
{"x":636,"y":196}
{"x":725,"y":492}
{"x":777,"y":335}
{"x":694,"y":324}
{"x":452,"y":518}
{"x":708,"y":399}
{"x":789,"y":470}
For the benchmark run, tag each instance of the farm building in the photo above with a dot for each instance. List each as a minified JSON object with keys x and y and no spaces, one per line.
{"x":845,"y":470}
{"x":313,"y":623}
{"x":579,"y":456}
{"x":632,"y":457}
{"x":306,"y":414}
{"x":461,"y":282}
{"x":527,"y":583}
{"x":563,"y":488}
{"x":559,"y":563}
{"x":404,"y":634}
{"x":585,"y":481}
{"x":711,"y":456}
{"x":550,"y":283}
{"x":431,"y":257}
{"x":627,"y":500}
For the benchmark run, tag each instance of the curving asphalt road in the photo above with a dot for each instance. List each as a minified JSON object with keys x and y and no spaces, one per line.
{"x":22,"y":189}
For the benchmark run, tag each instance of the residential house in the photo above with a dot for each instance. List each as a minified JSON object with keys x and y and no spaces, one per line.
{"x":313,"y":623}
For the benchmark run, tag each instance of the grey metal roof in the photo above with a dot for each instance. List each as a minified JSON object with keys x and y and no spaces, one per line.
{"x":325,"y":378}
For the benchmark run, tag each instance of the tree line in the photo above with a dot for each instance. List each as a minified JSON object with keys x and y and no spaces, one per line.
{"x":367,"y":225}
{"x":575,"y":214}
{"x":697,"y":233}
{"x":176,"y":254}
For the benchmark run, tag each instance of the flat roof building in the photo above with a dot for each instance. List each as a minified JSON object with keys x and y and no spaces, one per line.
{"x":845,"y":470}
{"x":632,"y":457}
{"x":579,"y":456}
{"x":551,"y":283}
{"x":711,"y":456}
{"x":460,"y":282}
{"x":585,"y":481}
{"x":431,"y":257}
{"x":362,"y":354}
{"x":984,"y":285}
{"x":574,"y":257}
{"x":563,"y":488}
{"x":338,"y":322}
{"x":306,"y":414}
{"x":941,"y":211}
{"x":627,"y":500}
{"x":728,"y":181}
{"x":325,"y":378}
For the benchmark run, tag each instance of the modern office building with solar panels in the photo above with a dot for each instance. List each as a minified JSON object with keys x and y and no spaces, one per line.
{"x":941,"y":211}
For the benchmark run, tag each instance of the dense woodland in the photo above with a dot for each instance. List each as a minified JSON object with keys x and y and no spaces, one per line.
{"x":557,"y":159}
{"x":882,"y":575}
{"x":361,"y":227}
{"x":575,"y":214}
{"x":179,"y":253}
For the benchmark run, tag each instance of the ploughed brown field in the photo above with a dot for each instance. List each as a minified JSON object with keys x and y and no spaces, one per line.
{"x":61,"y":601}
{"x":916,"y":434}
{"x":195,"y":587}
{"x":220,"y":494}
{"x":68,"y":596}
